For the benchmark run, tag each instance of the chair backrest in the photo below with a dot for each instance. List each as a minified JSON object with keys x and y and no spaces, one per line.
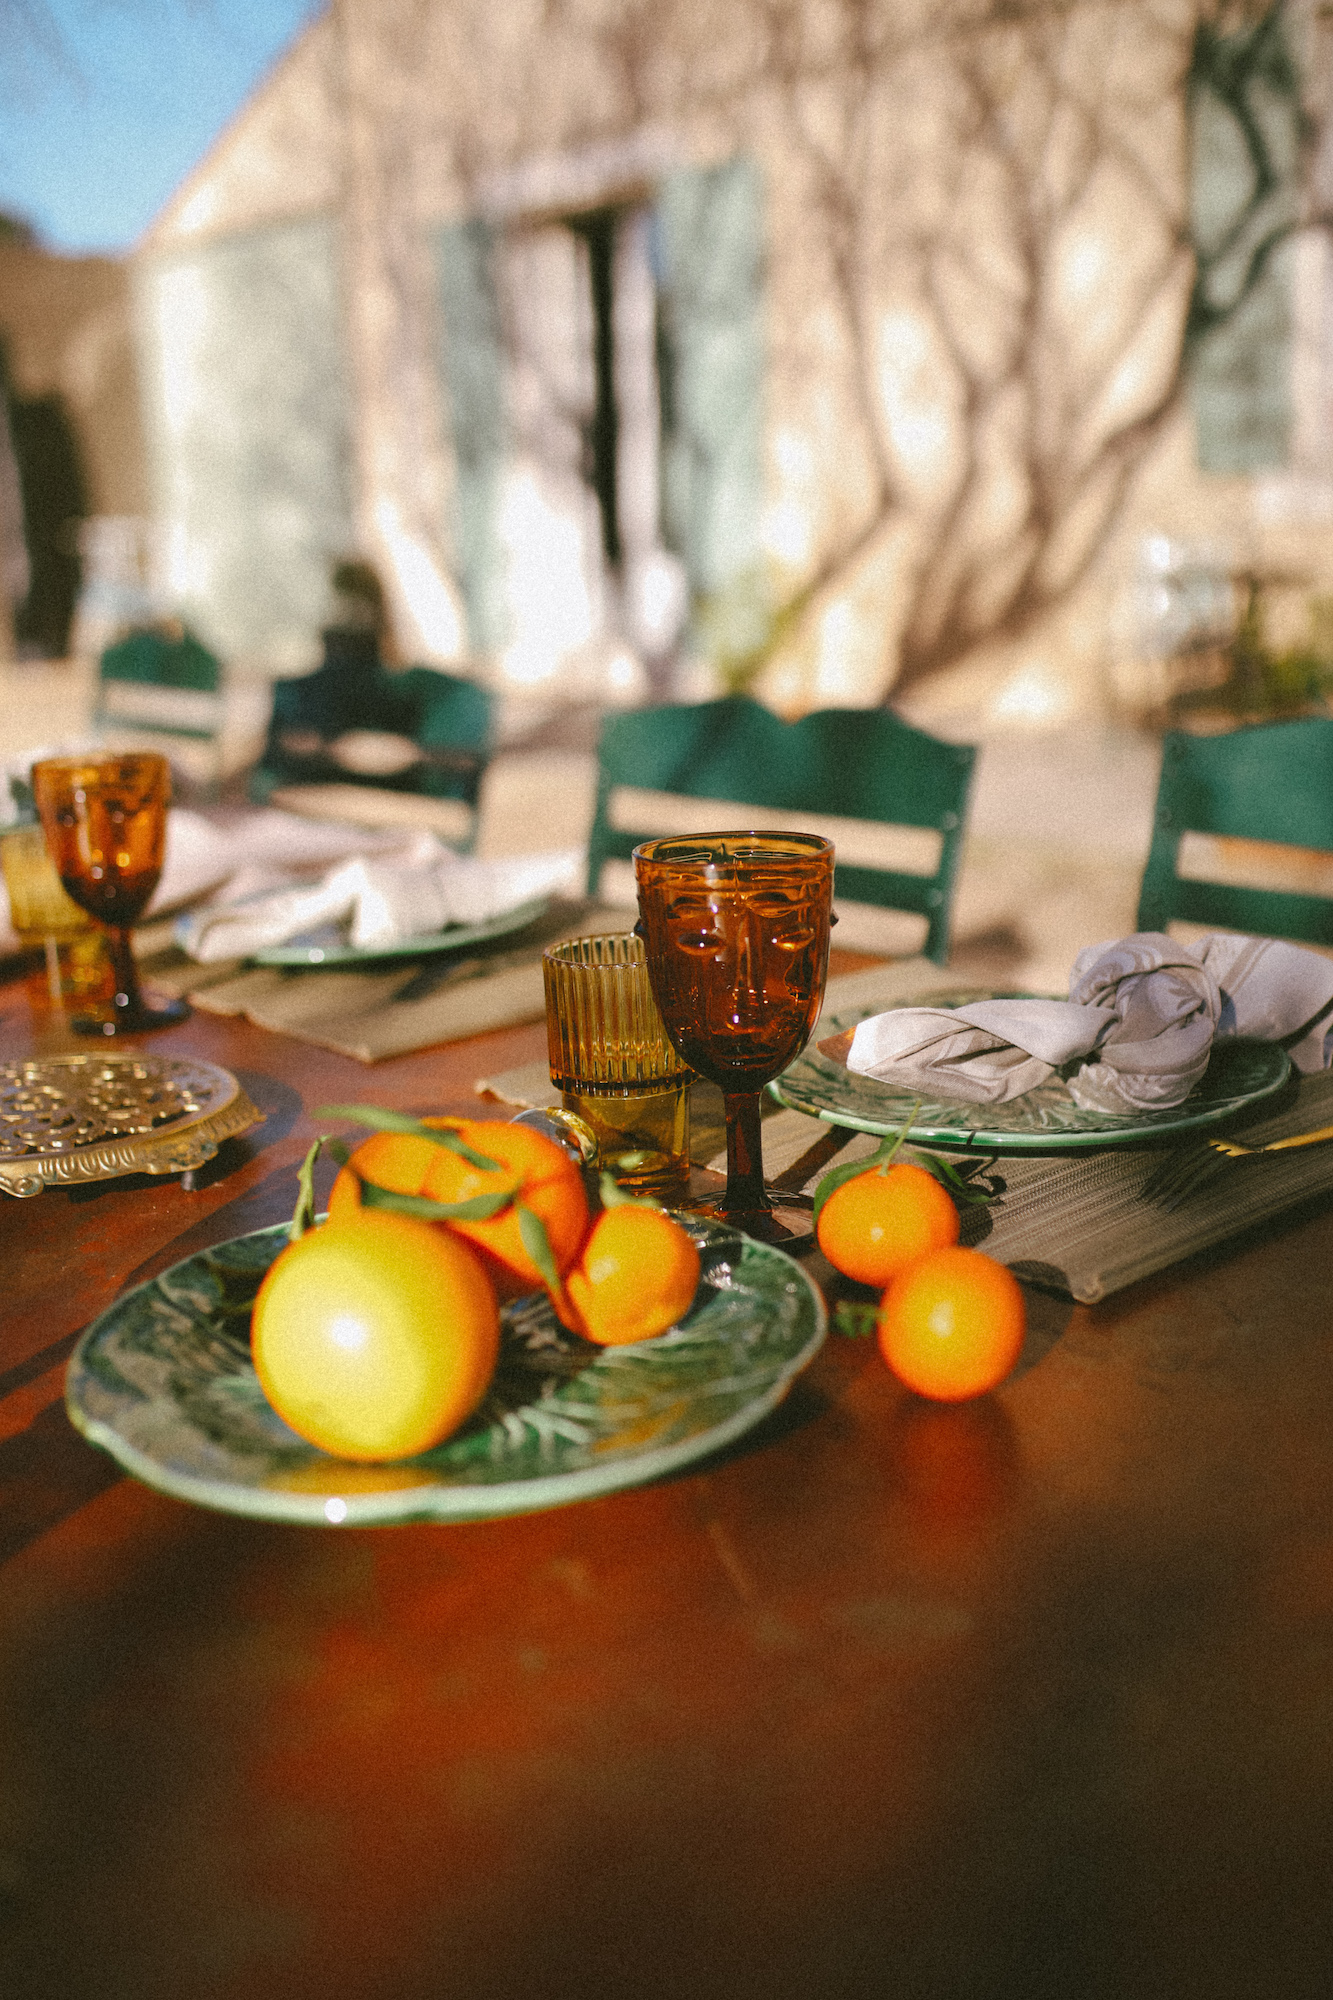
{"x":856,"y":764}
{"x":163,"y":681}
{"x":1272,"y":782}
{"x":447,"y":718}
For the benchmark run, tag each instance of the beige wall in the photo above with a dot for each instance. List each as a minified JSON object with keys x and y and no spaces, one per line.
{"x":280,"y":158}
{"x":67,"y":324}
{"x":974,"y":277}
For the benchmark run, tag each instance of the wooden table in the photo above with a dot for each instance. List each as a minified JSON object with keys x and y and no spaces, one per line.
{"x":1032,"y":1697}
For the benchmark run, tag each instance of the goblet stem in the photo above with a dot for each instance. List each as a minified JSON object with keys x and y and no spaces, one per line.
{"x":745,"y":1194}
{"x":128,"y":999}
{"x":130,"y":1013}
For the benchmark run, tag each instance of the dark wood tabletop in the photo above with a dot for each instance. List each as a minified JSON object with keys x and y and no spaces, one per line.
{"x":1031,"y":1696}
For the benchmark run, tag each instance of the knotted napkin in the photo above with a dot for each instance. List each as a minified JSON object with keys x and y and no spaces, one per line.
{"x":1144,"y":1011}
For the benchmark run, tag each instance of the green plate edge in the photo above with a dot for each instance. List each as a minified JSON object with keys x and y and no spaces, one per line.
{"x":437,"y":1500}
{"x":453,"y":938}
{"x":1241,"y":1074}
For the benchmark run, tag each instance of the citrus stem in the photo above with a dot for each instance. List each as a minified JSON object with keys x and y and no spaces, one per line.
{"x":303,"y":1215}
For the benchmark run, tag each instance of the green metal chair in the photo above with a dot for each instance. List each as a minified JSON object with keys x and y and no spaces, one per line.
{"x":862,"y":764}
{"x":447,"y":718}
{"x":162,"y":681}
{"x":1272,"y":782}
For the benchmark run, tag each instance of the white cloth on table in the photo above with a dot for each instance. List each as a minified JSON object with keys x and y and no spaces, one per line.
{"x":416,"y":888}
{"x":240,"y":856}
{"x":273,"y":874}
{"x":1145,"y":1011}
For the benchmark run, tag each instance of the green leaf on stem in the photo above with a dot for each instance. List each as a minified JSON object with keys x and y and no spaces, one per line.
{"x":479,"y":1209}
{"x":538,"y":1245}
{"x":303,"y":1215}
{"x":411,"y":1128}
{"x":960,"y":1185}
{"x":614,"y":1196}
{"x":878,"y":1162}
{"x":963,"y":1186}
{"x":855,"y":1317}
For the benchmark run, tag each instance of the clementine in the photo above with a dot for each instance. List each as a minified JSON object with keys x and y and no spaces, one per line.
{"x":512,"y":1160}
{"x":396,"y":1160}
{"x":875,"y":1224}
{"x":951,"y":1325}
{"x":636,"y":1276}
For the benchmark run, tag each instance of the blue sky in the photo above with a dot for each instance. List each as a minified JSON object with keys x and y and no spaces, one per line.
{"x":105,"y":105}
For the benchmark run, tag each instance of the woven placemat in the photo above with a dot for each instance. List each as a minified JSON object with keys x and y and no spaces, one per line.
{"x":1088,"y":1224}
{"x":1085,"y":1224}
{"x":388,"y":1008}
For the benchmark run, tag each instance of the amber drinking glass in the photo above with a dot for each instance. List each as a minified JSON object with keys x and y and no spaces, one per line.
{"x":736,"y":927}
{"x":613,"y":1063}
{"x":105,"y":820}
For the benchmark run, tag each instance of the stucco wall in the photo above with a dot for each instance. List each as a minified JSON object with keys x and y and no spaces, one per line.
{"x":67,"y":326}
{"x":973,"y":279}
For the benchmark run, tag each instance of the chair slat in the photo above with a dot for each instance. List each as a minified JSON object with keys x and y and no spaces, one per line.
{"x":1271,"y":782}
{"x":855,"y":764}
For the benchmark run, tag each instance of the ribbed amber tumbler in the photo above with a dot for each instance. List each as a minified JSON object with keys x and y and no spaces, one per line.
{"x":613,"y":1064}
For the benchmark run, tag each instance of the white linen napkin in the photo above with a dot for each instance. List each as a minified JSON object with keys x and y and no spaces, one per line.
{"x":1145,"y":1009}
{"x":261,"y":849}
{"x":419,"y":888}
{"x":248,"y":852}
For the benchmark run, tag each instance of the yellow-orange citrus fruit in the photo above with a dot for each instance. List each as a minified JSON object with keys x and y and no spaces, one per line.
{"x":879,"y":1222}
{"x":636,"y":1276}
{"x":375,"y":1336}
{"x":396,"y":1160}
{"x":951,"y":1325}
{"x":547,"y":1180}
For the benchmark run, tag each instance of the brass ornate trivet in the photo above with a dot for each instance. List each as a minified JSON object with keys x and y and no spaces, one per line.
{"x":91,"y":1117}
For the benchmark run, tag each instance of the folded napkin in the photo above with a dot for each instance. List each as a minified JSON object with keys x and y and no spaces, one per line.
{"x":387,"y":899}
{"x":237,"y":854}
{"x":1145,"y":1010}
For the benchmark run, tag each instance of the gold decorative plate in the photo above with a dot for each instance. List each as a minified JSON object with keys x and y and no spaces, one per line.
{"x":92,"y":1117}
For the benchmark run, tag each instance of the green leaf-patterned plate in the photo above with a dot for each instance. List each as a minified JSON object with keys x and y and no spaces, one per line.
{"x":328,"y":945}
{"x":164,"y":1382}
{"x":1240,"y":1075}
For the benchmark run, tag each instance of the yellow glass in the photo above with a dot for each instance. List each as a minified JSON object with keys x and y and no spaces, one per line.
{"x":78,"y":964}
{"x":105,"y":819}
{"x":613,"y":1064}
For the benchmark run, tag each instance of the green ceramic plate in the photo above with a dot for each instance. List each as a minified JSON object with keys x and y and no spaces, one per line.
{"x":328,"y":945}
{"x":163,"y":1381}
{"x":1045,"y":1120}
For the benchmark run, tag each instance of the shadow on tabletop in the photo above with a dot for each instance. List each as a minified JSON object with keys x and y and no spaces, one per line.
{"x":279,"y":1105}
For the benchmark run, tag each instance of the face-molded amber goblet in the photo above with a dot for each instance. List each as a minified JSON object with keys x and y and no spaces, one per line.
{"x":736,"y":927}
{"x":105,"y":819}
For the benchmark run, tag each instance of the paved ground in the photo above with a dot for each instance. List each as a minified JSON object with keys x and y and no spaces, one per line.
{"x":1058,"y":830}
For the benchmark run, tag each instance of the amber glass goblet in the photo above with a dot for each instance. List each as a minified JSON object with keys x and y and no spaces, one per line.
{"x":736,"y":927}
{"x":105,"y":819}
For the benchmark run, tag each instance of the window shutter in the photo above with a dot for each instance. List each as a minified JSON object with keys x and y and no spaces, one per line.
{"x":1245,"y":129}
{"x":711,"y":356}
{"x":472,"y":368}
{"x":249,"y":418}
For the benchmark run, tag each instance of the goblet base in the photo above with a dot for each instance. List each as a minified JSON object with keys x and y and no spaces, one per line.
{"x":787,"y":1224}
{"x":135,"y":1017}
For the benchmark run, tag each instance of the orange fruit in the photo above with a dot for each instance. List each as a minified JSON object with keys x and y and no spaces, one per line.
{"x":375,"y":1336}
{"x":396,"y":1160}
{"x":547,"y":1181}
{"x":952,"y":1324}
{"x":636,"y":1276}
{"x":877,"y":1223}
